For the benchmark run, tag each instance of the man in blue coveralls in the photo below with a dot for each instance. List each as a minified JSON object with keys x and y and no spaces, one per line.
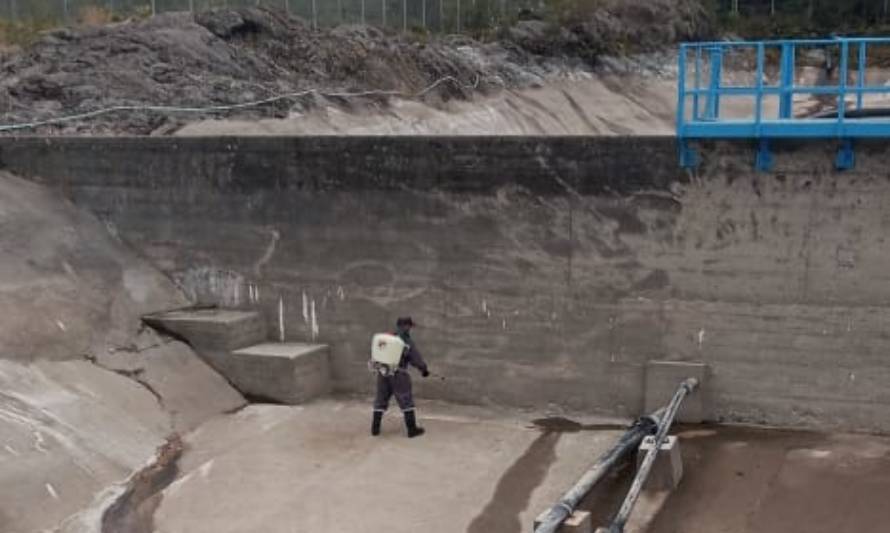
{"x":397,"y":382}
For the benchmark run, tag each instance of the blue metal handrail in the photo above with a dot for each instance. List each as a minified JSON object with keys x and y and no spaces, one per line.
{"x":707,"y":59}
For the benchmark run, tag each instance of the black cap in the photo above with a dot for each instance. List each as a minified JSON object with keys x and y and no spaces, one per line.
{"x":404,"y":321}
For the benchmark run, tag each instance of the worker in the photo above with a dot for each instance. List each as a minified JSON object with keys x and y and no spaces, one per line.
{"x":397,"y":382}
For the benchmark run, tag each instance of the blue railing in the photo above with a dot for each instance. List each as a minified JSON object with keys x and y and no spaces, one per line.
{"x":845,"y":92}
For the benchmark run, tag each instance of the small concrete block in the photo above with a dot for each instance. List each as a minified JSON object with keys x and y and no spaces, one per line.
{"x":211,"y":329}
{"x":667,"y":471}
{"x":662,"y":380}
{"x":577,"y":522}
{"x":289,"y":373}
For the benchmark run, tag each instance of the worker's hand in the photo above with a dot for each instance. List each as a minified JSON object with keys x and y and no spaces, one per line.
{"x":425,"y":373}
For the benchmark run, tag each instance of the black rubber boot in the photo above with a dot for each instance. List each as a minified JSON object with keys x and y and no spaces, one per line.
{"x":411,"y":424}
{"x":375,"y":424}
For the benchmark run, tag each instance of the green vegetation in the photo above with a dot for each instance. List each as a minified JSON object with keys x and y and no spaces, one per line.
{"x":803,"y":18}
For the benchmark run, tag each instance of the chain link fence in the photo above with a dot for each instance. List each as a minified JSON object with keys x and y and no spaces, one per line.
{"x":430,"y":15}
{"x":804,"y":8}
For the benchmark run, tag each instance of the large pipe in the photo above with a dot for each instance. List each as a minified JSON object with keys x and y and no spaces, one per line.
{"x":628,"y":442}
{"x":686,"y":388}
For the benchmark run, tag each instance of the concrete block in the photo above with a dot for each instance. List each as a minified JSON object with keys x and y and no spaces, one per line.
{"x":212,"y":329}
{"x":289,"y":373}
{"x":662,"y":380}
{"x":667,"y":471}
{"x":577,"y":522}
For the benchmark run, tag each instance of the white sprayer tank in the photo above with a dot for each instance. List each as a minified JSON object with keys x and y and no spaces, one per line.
{"x":387,"y":349}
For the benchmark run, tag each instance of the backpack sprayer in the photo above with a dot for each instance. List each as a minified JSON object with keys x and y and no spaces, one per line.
{"x":386,"y":354}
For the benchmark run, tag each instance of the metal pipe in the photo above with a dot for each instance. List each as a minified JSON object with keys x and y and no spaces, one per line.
{"x":628,"y":442}
{"x":686,"y":388}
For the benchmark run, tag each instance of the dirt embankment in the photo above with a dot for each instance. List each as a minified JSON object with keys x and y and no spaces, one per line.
{"x":226,"y":57}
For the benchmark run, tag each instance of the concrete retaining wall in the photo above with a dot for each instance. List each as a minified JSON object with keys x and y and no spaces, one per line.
{"x":542,"y":270}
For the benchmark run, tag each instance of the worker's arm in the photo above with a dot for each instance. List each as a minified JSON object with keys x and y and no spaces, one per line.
{"x":416,"y":360}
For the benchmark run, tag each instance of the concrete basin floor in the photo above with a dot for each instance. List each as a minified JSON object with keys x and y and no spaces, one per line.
{"x":278,"y":469}
{"x":751,"y":480}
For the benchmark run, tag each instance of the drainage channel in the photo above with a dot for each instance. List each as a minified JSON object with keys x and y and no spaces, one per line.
{"x":133,"y":511}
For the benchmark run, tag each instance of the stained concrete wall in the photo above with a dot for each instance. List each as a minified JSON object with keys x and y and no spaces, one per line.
{"x":543,"y":270}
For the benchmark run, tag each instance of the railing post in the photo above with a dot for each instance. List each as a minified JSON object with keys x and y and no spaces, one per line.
{"x":713,"y":107}
{"x":681,"y":91}
{"x":842,"y":84}
{"x":786,"y":96}
{"x":696,"y":107}
{"x":758,"y":99}
{"x":861,"y":81}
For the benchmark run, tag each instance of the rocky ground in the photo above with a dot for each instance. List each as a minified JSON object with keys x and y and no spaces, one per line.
{"x":225,"y":57}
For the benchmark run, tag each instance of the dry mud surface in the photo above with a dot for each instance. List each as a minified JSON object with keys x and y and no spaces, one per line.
{"x":740,"y":480}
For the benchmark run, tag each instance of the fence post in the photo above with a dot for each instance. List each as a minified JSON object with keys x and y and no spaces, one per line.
{"x":423,"y":13}
{"x":383,"y":8}
{"x":458,"y":16}
{"x":442,"y":16}
{"x":405,"y":16}
{"x":314,"y":15}
{"x":340,"y":11}
{"x":65,"y":11}
{"x":154,"y":10}
{"x":363,"y":12}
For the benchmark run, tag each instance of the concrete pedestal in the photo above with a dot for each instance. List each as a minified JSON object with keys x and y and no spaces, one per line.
{"x":668,"y":468}
{"x":289,"y":373}
{"x":577,"y":522}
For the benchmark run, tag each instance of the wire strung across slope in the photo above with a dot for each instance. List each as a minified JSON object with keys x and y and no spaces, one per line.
{"x":231,"y":107}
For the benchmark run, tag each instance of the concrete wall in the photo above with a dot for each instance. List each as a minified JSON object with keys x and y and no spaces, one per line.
{"x":543,"y":270}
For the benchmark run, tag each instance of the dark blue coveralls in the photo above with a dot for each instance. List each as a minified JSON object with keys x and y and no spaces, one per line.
{"x":398,"y":384}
